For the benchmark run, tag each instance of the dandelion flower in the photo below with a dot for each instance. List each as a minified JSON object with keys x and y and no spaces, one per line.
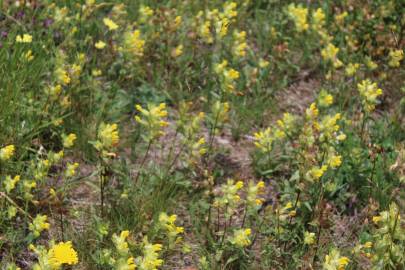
{"x":63,"y":253}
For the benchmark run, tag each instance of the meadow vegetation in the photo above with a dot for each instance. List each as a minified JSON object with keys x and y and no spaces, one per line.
{"x":245,"y":134}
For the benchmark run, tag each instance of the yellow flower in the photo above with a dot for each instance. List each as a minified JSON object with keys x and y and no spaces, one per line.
{"x":318,"y":18}
{"x":343,"y":261}
{"x":263,"y":63}
{"x":152,"y":119}
{"x":229,"y":10}
{"x":131,"y":264}
{"x":96,"y":72}
{"x":309,"y":238}
{"x":228,"y":76}
{"x":62,"y":76}
{"x":62,"y":253}
{"x":316,"y":172}
{"x":28,"y":55}
{"x":335,"y":161}
{"x":377,"y":219}
{"x":9,"y":183}
{"x":239,"y":45}
{"x":145,"y":13}
{"x":133,"y":44}
{"x":177,"y":22}
{"x":333,"y":261}
{"x":339,"y":18}
{"x":299,"y":15}
{"x":176,"y":52}
{"x":341,"y":137}
{"x":325,"y":99}
{"x":26,"y":38}
{"x":68,"y":141}
{"x":205,"y":32}
{"x":110,"y":24}
{"x":395,"y":58}
{"x":100,"y":45}
{"x":312,"y":112}
{"x":7,"y":152}
{"x":108,"y":136}
{"x":253,"y":191}
{"x":168,"y":223}
{"x":264,"y":140}
{"x":71,"y":169}
{"x":38,"y":225}
{"x":351,"y":69}
{"x":369,"y":93}
{"x":150,"y":259}
{"x":329,"y":53}
{"x":120,"y":242}
{"x":370,"y":63}
{"x":230,"y":196}
{"x":241,"y":237}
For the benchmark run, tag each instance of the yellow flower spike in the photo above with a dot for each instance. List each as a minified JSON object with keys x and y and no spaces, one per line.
{"x":299,"y":15}
{"x":264,"y":140}
{"x":312,"y":112}
{"x":240,"y":46}
{"x":329,"y":53}
{"x":10,"y":183}
{"x":334,"y":261}
{"x":229,"y":10}
{"x":71,"y":169}
{"x":108,"y":137}
{"x":7,"y":152}
{"x":335,"y":161}
{"x":120,"y":242}
{"x":325,"y":99}
{"x":351,"y":69}
{"x":38,"y":225}
{"x":68,"y":140}
{"x":240,"y":237}
{"x":370,"y":63}
{"x":315,"y":173}
{"x":145,"y":12}
{"x":309,"y":238}
{"x":62,"y":76}
{"x":152,"y":119}
{"x":369,"y":92}
{"x":133,"y":44}
{"x":395,"y":57}
{"x":318,"y":19}
{"x":150,"y":259}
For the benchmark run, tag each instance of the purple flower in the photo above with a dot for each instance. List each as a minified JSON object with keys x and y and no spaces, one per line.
{"x":48,"y":23}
